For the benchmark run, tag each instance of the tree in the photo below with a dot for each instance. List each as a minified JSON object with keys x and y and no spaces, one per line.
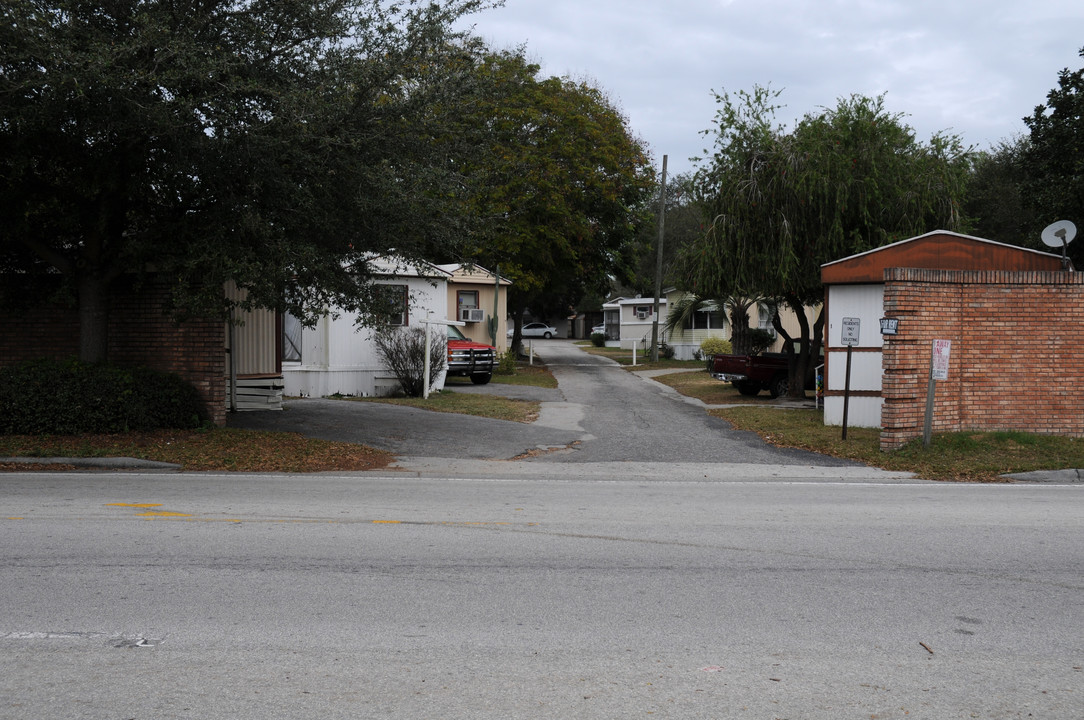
{"x":1054,"y":160}
{"x":279,"y":144}
{"x":996,"y":204}
{"x":684,"y":225}
{"x":560,"y":185}
{"x":844,"y":180}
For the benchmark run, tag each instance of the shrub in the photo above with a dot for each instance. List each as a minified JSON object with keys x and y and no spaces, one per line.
{"x":68,"y":397}
{"x":715,"y":346}
{"x":760,"y":340}
{"x":402,"y":350}
{"x":665,"y":350}
{"x":598,"y":339}
{"x":507,"y":363}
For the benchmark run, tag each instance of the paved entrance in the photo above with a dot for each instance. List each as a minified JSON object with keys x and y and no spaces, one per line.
{"x":600,"y":413}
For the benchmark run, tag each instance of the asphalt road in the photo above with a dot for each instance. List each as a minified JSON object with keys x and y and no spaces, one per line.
{"x":642,"y":560}
{"x":245,"y":597}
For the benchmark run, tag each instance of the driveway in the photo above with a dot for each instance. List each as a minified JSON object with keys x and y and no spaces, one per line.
{"x":600,"y":413}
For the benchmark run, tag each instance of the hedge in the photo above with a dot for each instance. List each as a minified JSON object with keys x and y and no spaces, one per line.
{"x":68,"y":397}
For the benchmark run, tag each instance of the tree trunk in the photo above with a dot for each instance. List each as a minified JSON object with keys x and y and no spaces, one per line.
{"x":739,"y":329}
{"x":800,"y":361}
{"x":93,"y":318}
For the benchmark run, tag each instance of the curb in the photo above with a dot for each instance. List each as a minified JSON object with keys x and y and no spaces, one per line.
{"x":107,"y":463}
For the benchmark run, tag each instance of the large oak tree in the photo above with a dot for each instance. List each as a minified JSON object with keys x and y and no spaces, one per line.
{"x":277,"y":143}
{"x":560,"y":184}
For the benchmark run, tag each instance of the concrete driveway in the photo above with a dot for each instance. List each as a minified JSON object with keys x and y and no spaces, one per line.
{"x":599,"y":414}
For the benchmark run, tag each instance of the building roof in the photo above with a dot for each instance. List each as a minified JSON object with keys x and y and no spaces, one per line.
{"x":937,"y":250}
{"x":469,"y":273}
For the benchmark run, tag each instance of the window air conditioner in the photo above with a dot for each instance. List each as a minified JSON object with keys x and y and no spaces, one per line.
{"x":472,"y":315}
{"x":642,"y":314}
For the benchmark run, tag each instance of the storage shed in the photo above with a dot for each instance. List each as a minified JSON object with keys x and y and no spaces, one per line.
{"x":936,"y":272}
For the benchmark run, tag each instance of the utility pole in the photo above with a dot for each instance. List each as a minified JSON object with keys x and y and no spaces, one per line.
{"x":658,"y":265}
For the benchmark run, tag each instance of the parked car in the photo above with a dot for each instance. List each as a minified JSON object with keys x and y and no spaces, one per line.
{"x":536,"y":330}
{"x":599,"y":329}
{"x":467,"y":358}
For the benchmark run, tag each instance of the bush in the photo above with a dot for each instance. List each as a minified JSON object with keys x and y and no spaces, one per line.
{"x":715,"y":346}
{"x":598,"y":339}
{"x":68,"y":397}
{"x":760,"y":340}
{"x":402,"y":350}
{"x":507,"y":363}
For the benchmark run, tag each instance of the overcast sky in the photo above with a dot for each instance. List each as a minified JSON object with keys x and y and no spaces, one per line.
{"x":969,"y":67}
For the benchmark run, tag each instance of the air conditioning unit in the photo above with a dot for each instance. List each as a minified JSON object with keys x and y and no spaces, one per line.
{"x":642,"y":314}
{"x":472,"y":315}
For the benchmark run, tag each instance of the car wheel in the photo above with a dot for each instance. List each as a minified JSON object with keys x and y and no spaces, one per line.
{"x":547,"y":335}
{"x":747,"y":388}
{"x":779,"y":387}
{"x":481,"y":379}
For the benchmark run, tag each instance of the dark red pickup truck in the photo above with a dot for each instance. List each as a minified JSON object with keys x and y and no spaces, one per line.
{"x":752,"y":373}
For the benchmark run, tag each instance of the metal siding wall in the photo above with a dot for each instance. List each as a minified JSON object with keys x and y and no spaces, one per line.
{"x":255,"y":336}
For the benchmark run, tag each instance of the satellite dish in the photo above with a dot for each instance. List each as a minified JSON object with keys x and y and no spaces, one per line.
{"x":1059,"y":234}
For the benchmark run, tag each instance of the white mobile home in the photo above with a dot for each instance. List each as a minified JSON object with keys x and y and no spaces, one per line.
{"x":339,"y":357}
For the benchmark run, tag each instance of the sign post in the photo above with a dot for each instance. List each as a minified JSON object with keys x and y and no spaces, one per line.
{"x":848,"y":337}
{"x":939,"y":363}
{"x":425,"y":373}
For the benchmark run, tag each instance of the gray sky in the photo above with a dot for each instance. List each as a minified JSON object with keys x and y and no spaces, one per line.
{"x":969,"y":67}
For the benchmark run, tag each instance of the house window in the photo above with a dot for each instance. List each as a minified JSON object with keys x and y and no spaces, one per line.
{"x":394,"y":297}
{"x":765,"y":313}
{"x":466,"y":300}
{"x":291,"y":338}
{"x":643,"y":312}
{"x":705,"y":320}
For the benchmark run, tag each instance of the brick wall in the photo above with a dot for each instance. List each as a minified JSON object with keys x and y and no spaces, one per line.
{"x":140,"y":333}
{"x":1017,"y":360}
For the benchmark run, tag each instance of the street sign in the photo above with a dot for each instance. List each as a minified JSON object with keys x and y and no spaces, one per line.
{"x":850,"y":331}
{"x":941,"y":351}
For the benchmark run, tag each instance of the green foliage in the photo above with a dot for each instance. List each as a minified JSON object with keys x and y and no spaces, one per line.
{"x":715,"y":346}
{"x":996,"y":206}
{"x":506,"y":365}
{"x":843,"y":181}
{"x":759,"y":340}
{"x":781,"y":203}
{"x":560,"y":179}
{"x":278,"y":144}
{"x":1054,"y":161}
{"x":402,"y":350}
{"x":67,"y":397}
{"x":598,"y":339}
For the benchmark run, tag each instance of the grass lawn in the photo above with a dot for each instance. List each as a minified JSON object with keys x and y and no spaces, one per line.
{"x":703,"y":386}
{"x":963,"y":456}
{"x":483,"y":405}
{"x":448,"y":400}
{"x":623,"y":356}
{"x":534,"y":375}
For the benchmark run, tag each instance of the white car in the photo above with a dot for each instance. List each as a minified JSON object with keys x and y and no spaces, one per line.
{"x":599,"y":329}
{"x":536,"y":330}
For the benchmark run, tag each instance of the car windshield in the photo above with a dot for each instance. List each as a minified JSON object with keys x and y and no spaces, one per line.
{"x":454,"y":334}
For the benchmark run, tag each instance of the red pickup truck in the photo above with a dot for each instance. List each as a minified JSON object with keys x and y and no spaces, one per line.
{"x":752,"y":373}
{"x":467,"y":358}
